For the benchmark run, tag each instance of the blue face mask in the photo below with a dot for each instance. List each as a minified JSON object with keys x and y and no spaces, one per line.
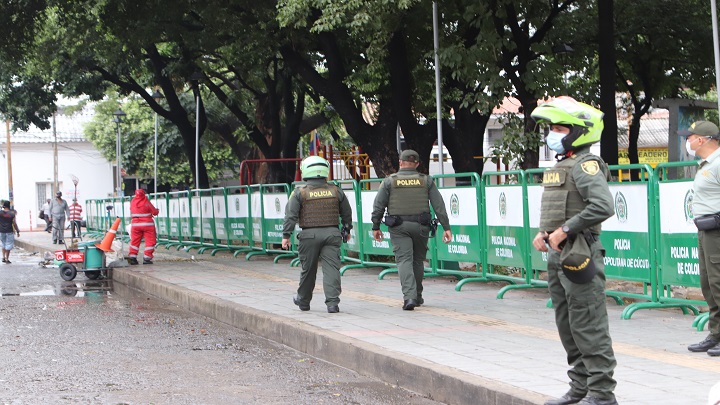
{"x":554,"y":141}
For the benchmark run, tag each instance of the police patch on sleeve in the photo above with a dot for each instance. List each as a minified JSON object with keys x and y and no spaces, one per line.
{"x":590,"y":167}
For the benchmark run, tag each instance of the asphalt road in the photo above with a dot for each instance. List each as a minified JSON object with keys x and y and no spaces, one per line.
{"x":92,"y":342}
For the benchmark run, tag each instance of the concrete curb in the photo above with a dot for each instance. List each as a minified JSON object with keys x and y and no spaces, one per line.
{"x":28,"y":246}
{"x":437,"y":382}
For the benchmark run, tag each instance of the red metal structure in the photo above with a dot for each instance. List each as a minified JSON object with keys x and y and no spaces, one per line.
{"x":246,"y":169}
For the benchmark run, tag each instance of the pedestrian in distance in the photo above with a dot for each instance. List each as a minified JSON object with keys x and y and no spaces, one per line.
{"x":75,"y":219}
{"x":702,"y":141}
{"x":319,"y":207}
{"x":142,"y":212}
{"x":576,"y":200}
{"x":46,"y":216}
{"x":8,"y":230}
{"x":405,"y":196}
{"x":59,"y":210}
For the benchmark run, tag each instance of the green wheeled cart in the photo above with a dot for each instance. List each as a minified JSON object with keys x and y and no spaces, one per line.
{"x":86,"y":258}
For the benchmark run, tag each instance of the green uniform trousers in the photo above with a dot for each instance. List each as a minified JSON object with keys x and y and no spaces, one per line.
{"x":709,"y":257}
{"x":410,"y":241}
{"x":582,"y":322}
{"x":317,"y":244}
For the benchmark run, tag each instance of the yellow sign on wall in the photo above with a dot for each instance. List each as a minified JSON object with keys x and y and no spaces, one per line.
{"x":651,"y":156}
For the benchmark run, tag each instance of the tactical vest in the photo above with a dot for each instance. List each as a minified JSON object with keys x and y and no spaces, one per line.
{"x":408,"y":194}
{"x":320,"y":206}
{"x":561,"y":199}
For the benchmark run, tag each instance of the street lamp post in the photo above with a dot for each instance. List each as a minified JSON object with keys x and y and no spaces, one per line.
{"x":196,"y":77}
{"x":119,"y":115}
{"x":157,"y":96}
{"x":438,"y":98}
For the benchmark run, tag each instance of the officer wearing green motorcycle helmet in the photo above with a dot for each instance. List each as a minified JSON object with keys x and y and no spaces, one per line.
{"x":576,"y":200}
{"x":319,"y":207}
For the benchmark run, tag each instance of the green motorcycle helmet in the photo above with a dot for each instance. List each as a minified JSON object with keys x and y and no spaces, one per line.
{"x":585,"y":121}
{"x":314,"y":167}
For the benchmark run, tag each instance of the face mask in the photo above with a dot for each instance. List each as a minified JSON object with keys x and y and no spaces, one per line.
{"x":554,"y":141}
{"x":688,"y":146}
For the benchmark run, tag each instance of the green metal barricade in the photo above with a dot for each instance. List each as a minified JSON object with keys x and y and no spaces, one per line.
{"x":93,"y":218}
{"x":368,"y":245}
{"x":203,"y":221}
{"x":109,"y":214}
{"x":237,"y":223}
{"x":353,"y":246}
{"x":534,"y":190}
{"x":178,"y":215}
{"x":463,"y":203}
{"x":269,"y":200}
{"x":628,"y":236}
{"x":677,"y":251}
{"x":194,"y":222}
{"x":124,"y":230}
{"x":507,"y":239}
{"x":162,"y":220}
{"x":214,"y":211}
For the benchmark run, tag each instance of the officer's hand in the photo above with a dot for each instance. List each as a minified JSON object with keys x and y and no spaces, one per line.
{"x":286,"y":243}
{"x":556,"y":238}
{"x":539,"y":242}
{"x":447,"y":236}
{"x":377,"y":235}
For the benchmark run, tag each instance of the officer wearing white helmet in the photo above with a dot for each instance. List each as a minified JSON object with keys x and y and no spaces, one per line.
{"x":575,"y":201}
{"x":319,"y":208}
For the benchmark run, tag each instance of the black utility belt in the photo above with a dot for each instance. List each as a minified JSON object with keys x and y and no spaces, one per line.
{"x":322,"y":226}
{"x":589,"y":236}
{"x":707,"y":222}
{"x":395,"y":220}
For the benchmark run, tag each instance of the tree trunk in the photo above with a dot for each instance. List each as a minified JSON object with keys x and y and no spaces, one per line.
{"x":633,"y":136}
{"x":606,"y":51}
{"x":466,"y":142}
{"x":532,"y":155}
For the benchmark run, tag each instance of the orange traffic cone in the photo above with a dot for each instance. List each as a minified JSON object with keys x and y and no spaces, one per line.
{"x":109,"y":237}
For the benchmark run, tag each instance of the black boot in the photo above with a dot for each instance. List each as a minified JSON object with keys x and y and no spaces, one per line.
{"x":705,"y":345}
{"x":303,"y":307}
{"x":409,"y":305}
{"x":598,"y":401}
{"x":567,"y":399}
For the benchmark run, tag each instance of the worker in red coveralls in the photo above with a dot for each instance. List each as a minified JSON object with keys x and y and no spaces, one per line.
{"x":143,"y":226}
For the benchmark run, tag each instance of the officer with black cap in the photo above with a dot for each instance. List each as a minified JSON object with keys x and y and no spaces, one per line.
{"x":575,"y":201}
{"x":405,"y":195}
{"x":702,"y":141}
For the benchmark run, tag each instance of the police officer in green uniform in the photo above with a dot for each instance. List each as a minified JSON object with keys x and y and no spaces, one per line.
{"x":318,"y":207}
{"x":405,"y":194}
{"x":702,"y":140}
{"x":575,"y":201}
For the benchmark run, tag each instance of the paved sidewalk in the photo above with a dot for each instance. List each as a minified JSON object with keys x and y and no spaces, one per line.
{"x":459,"y":348}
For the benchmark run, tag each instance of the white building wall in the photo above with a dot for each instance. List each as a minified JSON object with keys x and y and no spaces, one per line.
{"x":32,"y":164}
